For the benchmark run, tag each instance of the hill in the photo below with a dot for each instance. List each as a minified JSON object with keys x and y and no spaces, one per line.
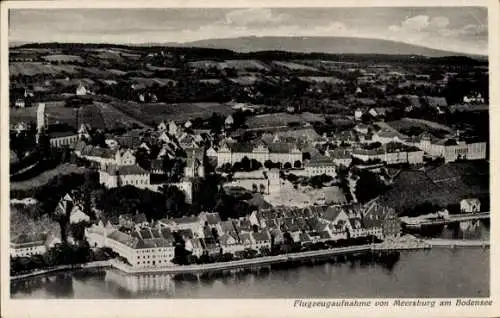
{"x":332,"y":45}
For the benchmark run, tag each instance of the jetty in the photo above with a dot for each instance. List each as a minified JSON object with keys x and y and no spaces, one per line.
{"x":419,"y":222}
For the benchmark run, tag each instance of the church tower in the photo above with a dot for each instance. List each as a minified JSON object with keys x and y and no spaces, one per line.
{"x":41,"y":118}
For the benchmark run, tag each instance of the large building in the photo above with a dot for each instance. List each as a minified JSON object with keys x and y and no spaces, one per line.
{"x":450,"y":149}
{"x":391,"y":153}
{"x":154,"y":251}
{"x":29,"y":245}
{"x":375,"y":215}
{"x":232,"y":152}
{"x":112,"y":176}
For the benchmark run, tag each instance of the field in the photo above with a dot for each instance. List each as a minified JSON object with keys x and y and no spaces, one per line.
{"x":321,"y":79}
{"x":113,"y":118}
{"x":74,"y":82}
{"x":245,"y":80}
{"x":34,"y":68}
{"x":242,"y":65}
{"x":55,"y":114}
{"x":443,"y":185}
{"x":152,"y":81}
{"x":414,"y":125}
{"x":295,"y":66}
{"x":46,"y":176}
{"x":63,"y":58}
{"x":273,"y":120}
{"x":148,"y":113}
{"x":91,"y":115}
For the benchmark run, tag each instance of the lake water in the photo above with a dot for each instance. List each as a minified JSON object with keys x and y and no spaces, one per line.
{"x":440,"y":272}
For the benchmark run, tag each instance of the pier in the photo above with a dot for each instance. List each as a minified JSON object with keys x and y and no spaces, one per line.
{"x":417,"y":223}
{"x":457,"y":243}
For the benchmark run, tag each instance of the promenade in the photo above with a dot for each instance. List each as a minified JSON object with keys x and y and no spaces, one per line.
{"x":96,"y":264}
{"x":437,"y":242}
{"x":417,"y":223}
{"x":259,"y":261}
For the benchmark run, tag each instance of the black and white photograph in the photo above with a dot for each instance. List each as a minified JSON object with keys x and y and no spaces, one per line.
{"x":335,"y":153}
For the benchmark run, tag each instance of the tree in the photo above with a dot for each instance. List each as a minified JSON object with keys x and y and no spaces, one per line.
{"x":297,"y":164}
{"x":306,"y":156}
{"x":245,"y":164}
{"x":288,"y":165}
{"x":254,"y":188}
{"x":268,"y":164}
{"x":368,"y":186}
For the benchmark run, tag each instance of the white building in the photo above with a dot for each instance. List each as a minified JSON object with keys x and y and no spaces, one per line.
{"x":470,"y":206}
{"x":81,"y":90}
{"x":29,"y":245}
{"x":276,"y":152}
{"x":139,"y":252}
{"x":112,"y":176}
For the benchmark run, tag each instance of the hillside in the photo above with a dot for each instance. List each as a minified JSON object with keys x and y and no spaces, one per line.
{"x":332,"y":45}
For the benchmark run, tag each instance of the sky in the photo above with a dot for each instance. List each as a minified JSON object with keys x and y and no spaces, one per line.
{"x":457,"y":29}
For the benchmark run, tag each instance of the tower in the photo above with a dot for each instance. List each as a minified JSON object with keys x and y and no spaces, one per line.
{"x":41,"y":118}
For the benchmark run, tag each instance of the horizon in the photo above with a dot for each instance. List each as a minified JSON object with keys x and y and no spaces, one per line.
{"x":455,"y":30}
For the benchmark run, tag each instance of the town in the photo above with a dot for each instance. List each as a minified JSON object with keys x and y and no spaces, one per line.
{"x":161,"y":157}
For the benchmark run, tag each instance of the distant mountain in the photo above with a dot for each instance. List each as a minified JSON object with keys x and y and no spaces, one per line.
{"x":332,"y":45}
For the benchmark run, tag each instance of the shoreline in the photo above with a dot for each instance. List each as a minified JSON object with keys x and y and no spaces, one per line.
{"x":258,"y":261}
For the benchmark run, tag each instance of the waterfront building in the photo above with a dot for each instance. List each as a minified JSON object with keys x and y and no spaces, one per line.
{"x":470,"y":205}
{"x":28,"y":245}
{"x":260,"y":240}
{"x":380,"y":220}
{"x":137,"y":251}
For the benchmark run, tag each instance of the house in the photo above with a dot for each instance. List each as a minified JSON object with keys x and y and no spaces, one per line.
{"x":192,"y":223}
{"x":261,"y":239}
{"x":193,"y":246}
{"x":20,"y":103}
{"x":230,"y":243}
{"x":361,"y":129}
{"x":77,"y":215}
{"x":173,"y":129}
{"x":188,"y":124}
{"x":380,"y":221}
{"x":229,"y":122}
{"x":335,"y":215}
{"x":245,"y":240}
{"x":112,"y":176}
{"x":162,"y":126}
{"x":81,"y":90}
{"x":28,"y":245}
{"x":474,"y":99}
{"x":83,"y":132}
{"x":320,"y":164}
{"x":340,"y":156}
{"x":355,"y":228}
{"x":470,"y":206}
{"x":358,"y":114}
{"x":212,"y":220}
